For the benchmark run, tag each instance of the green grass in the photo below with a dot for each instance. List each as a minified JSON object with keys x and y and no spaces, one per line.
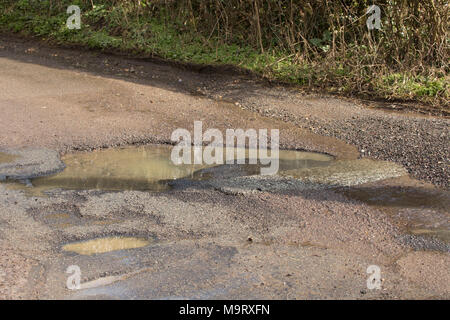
{"x":107,"y":27}
{"x":418,"y":86}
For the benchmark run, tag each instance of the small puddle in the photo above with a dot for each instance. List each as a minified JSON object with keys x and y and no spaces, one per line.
{"x":104,"y":245}
{"x":400,"y":197}
{"x":58,"y":216}
{"x":7,"y":158}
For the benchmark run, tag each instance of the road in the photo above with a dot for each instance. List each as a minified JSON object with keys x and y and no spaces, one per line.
{"x":207,"y":242}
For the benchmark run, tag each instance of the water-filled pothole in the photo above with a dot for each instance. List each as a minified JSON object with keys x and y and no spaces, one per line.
{"x":148,"y":168}
{"x":423,"y":211}
{"x":7,"y":158}
{"x":104,"y":245}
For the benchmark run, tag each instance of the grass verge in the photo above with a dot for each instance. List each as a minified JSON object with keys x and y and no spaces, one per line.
{"x":111,"y":26}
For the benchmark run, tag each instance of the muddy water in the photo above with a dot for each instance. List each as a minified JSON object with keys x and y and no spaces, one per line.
{"x":143,"y":168}
{"x":421,"y":210}
{"x":150,"y":168}
{"x":146,"y":168}
{"x":103,"y":245}
{"x":6,"y":158}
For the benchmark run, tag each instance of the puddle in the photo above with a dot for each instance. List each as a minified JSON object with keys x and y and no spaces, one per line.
{"x":441,"y":234}
{"x":423,"y":211}
{"x":7,"y":158}
{"x":63,"y":225}
{"x":143,"y":168}
{"x":104,"y":245}
{"x":147,"y":168}
{"x":58,"y":216}
{"x":400,"y":197}
{"x":106,"y":222}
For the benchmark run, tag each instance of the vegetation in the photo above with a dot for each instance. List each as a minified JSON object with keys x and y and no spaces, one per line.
{"x":316,"y":44}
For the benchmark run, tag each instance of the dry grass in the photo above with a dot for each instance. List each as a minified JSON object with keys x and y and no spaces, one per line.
{"x":319,"y":44}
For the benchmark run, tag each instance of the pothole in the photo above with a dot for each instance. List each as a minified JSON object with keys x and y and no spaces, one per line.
{"x":441,"y":234}
{"x":423,"y":211}
{"x":7,"y":158}
{"x":104,"y":245}
{"x":28,"y":163}
{"x":149,"y":168}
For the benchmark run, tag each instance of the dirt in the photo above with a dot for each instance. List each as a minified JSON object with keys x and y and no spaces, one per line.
{"x":417,"y":141}
{"x":208,"y":243}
